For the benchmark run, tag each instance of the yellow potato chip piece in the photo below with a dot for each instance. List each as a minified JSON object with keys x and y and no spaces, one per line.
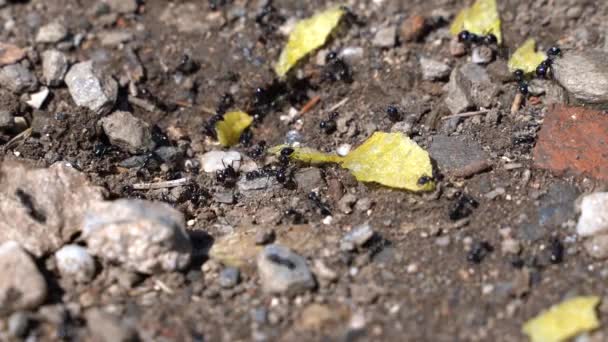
{"x":390,"y":159}
{"x":229,"y":129}
{"x":564,"y":320}
{"x":481,"y":18}
{"x":307,"y":36}
{"x":526,"y":57}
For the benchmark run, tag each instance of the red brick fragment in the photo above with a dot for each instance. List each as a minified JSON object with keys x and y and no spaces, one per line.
{"x":573,"y":140}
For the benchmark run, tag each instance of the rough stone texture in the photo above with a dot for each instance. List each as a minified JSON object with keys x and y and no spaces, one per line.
{"x":17,"y":78}
{"x":21,"y":284}
{"x":454,"y":153}
{"x":114,"y":37}
{"x":123,"y":6}
{"x":309,"y":178}
{"x":144,"y":236}
{"x":282,"y":271}
{"x":42,"y":208}
{"x":10,"y":54}
{"x":594,"y":215}
{"x":584,"y":75}
{"x":573,"y":140}
{"x":128,"y":132}
{"x":105,"y":327}
{"x":597,"y":246}
{"x":413,"y":28}
{"x":385,"y":37}
{"x":90,"y":90}
{"x":459,"y":97}
{"x":51,"y":33}
{"x":482,"y":55}
{"x":186,"y":17}
{"x":433,"y":70}
{"x":356,"y":237}
{"x":483,"y":91}
{"x":6,"y":119}
{"x":214,"y":161}
{"x":54,"y":67}
{"x":75,"y":262}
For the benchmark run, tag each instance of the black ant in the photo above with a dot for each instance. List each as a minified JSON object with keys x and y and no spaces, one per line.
{"x":557,"y":251}
{"x":258,"y":150}
{"x":314,"y":198}
{"x":522,"y":85}
{"x":337,"y":70}
{"x":227,"y":177}
{"x":462,"y":207}
{"x":472,"y":38}
{"x":209,"y":128}
{"x":479,"y":251}
{"x":543,"y":68}
{"x":553,"y":52}
{"x":151,"y":161}
{"x":284,"y":155}
{"x":329,"y":126}
{"x":393,"y":113}
{"x":187,"y":65}
{"x":246,"y":137}
{"x":422,"y":181}
{"x":297,"y":217}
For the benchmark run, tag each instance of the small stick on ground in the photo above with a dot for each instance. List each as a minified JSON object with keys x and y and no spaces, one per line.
{"x":338,"y":105}
{"x":18,"y":138}
{"x":161,"y":185}
{"x":311,"y":103}
{"x":471,"y":169}
{"x":516,"y":103}
{"x":465,"y":115}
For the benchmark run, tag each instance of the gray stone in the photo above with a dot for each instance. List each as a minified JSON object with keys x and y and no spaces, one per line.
{"x":483,"y":91}
{"x":105,"y":327}
{"x":114,"y":37}
{"x":6,"y":119}
{"x":357,"y":237}
{"x":345,"y":204}
{"x":17,"y":78}
{"x":88,"y":89}
{"x":433,"y":70}
{"x":76,"y":263}
{"x":282,"y":271}
{"x":482,"y":55}
{"x":144,"y":236}
{"x":260,"y":183}
{"x":309,"y":178}
{"x":187,"y":19}
{"x":452,"y":153}
{"x":584,"y":75}
{"x":42,"y":208}
{"x":128,"y":132}
{"x":597,"y":246}
{"x":54,"y":67}
{"x":18,"y":324}
{"x":36,"y":100}
{"x":229,"y":277}
{"x":385,"y":37}
{"x":51,"y":33}
{"x":169,"y":154}
{"x":404,"y":127}
{"x":226,"y":197}
{"x":214,"y":161}
{"x":123,"y":6}
{"x":594,"y":215}
{"x":22,"y":286}
{"x":459,"y":97}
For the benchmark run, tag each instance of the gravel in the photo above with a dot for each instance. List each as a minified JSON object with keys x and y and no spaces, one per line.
{"x":38,"y":99}
{"x":22,"y":286}
{"x":433,"y":70}
{"x":18,"y":79}
{"x":482,"y":55}
{"x":214,"y":161}
{"x":76,"y":263}
{"x":106,"y":327}
{"x":18,"y":324}
{"x":584,"y":75}
{"x":594,"y":214}
{"x":128,"y":132}
{"x":51,"y":33}
{"x":385,"y":37}
{"x":89,"y":89}
{"x":54,"y":67}
{"x":10,"y":54}
{"x":459,"y":97}
{"x":229,"y":277}
{"x":597,"y":246}
{"x":282,"y":271}
{"x":152,"y":235}
{"x":356,"y":237}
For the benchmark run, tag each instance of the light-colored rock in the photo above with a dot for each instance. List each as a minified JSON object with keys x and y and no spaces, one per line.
{"x":594,"y":215}
{"x":128,"y":132}
{"x":17,"y":78}
{"x":282,"y":271}
{"x":459,"y":98}
{"x":433,"y":70}
{"x":482,"y":55}
{"x":584,"y":75}
{"x":214,"y":161}
{"x":115,"y":37}
{"x":54,"y":67}
{"x":357,"y":237}
{"x":597,"y":246}
{"x":75,"y":262}
{"x":10,"y":54}
{"x":122,"y":6}
{"x":385,"y":37}
{"x":144,"y":236}
{"x":21,"y":284}
{"x":88,"y":89}
{"x":42,"y":208}
{"x":105,"y":327}
{"x":51,"y":33}
{"x":37,"y":99}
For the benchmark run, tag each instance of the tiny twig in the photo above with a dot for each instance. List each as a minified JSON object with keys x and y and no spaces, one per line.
{"x":161,"y":185}
{"x":21,"y":136}
{"x":311,"y":103}
{"x":338,"y":105}
{"x":516,"y":103}
{"x":465,"y":115}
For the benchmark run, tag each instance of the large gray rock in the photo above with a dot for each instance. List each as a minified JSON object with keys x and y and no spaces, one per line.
{"x":144,"y":236}
{"x":54,"y":67}
{"x":282,"y":271}
{"x":42,"y":208}
{"x":21,"y":284}
{"x":584,"y":75}
{"x":128,"y":132}
{"x":17,"y":78}
{"x":470,"y":86}
{"x":91,"y":90}
{"x":459,"y":98}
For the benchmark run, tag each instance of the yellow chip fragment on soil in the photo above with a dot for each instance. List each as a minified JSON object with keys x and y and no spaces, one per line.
{"x":526,"y":57}
{"x":564,"y":320}
{"x":481,"y":18}
{"x":229,"y":129}
{"x":390,"y":159}
{"x":307,"y":36}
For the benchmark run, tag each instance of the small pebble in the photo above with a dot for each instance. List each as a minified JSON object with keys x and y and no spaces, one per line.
{"x":229,"y":277}
{"x":75,"y":262}
{"x":356,"y":237}
{"x":597,"y":246}
{"x":482,"y":55}
{"x":385,"y":37}
{"x":594,"y":214}
{"x":214,"y":161}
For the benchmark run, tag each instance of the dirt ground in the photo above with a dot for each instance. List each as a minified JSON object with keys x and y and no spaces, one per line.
{"x":430,"y":274}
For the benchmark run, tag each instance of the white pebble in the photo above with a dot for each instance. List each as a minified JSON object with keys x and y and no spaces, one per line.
{"x":214,"y":161}
{"x":343,"y":149}
{"x":594,"y":214}
{"x":75,"y":262}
